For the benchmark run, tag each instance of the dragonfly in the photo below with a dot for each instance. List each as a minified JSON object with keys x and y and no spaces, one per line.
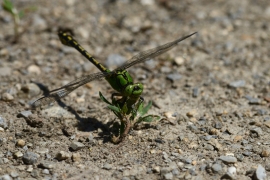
{"x":119,"y":78}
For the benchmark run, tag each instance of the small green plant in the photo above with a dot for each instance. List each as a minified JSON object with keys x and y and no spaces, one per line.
{"x":16,"y":15}
{"x":129,"y":116}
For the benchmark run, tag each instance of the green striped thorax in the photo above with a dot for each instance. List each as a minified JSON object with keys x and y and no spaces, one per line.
{"x":122,"y":82}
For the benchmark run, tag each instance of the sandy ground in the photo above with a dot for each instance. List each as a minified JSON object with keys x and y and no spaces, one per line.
{"x":213,"y":90}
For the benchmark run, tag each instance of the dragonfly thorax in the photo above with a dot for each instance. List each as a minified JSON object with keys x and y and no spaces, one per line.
{"x":122,"y":82}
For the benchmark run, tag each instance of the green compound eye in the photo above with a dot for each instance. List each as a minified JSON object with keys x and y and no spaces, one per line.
{"x":138,"y":89}
{"x":134,"y":90}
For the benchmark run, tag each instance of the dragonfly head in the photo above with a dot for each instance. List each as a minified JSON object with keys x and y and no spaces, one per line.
{"x":134,"y":90}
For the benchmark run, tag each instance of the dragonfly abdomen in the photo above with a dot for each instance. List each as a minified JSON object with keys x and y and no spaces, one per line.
{"x":70,"y":41}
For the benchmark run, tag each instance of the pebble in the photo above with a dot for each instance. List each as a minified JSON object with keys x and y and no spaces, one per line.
{"x":260,"y":173}
{"x":20,"y":143}
{"x":29,"y":158}
{"x":195,"y":92}
{"x":33,"y":69}
{"x":228,"y":159}
{"x":62,"y":155}
{"x":46,"y":171}
{"x":168,"y":176}
{"x":7,"y":97}
{"x":31,"y":89}
{"x":14,"y":174}
{"x":57,"y":112}
{"x":75,"y":146}
{"x":5,"y":177}
{"x":237,"y":84}
{"x":218,"y":125}
{"x":3,"y":123}
{"x":76,"y":157}
{"x":18,"y":154}
{"x":25,"y":114}
{"x":107,"y":166}
{"x":232,"y":171}
{"x":253,"y":101}
{"x":47,"y":165}
{"x":179,"y":60}
{"x":257,"y":130}
{"x":174,"y":77}
{"x":192,"y":113}
{"x":265,"y":153}
{"x":217,"y":168}
{"x":156,"y":169}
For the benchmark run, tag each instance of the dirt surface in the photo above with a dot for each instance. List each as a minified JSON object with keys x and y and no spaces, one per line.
{"x":213,"y":90}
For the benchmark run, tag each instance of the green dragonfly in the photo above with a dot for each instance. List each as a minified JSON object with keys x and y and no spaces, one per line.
{"x":119,"y":79}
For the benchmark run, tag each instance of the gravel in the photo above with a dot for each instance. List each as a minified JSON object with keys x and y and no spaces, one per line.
{"x":211,"y":90}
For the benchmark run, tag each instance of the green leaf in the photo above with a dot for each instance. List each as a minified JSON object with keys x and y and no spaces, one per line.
{"x":8,"y":6}
{"x":104,"y":99}
{"x":144,"y":110}
{"x":114,"y":108}
{"x":149,"y":118}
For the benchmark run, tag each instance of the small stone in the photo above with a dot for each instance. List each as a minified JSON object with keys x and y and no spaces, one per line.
{"x":25,"y":114}
{"x":179,"y":60}
{"x":46,"y":171}
{"x":20,"y":143}
{"x":192,"y":113}
{"x":216,"y":168}
{"x":75,"y":146}
{"x":174,"y":77}
{"x":265,"y":153}
{"x":57,"y":112}
{"x":260,"y":173}
{"x":47,"y":165}
{"x":14,"y":174}
{"x":18,"y":154}
{"x":218,"y":125}
{"x":5,"y":177}
{"x":253,"y":101}
{"x":3,"y":123}
{"x":107,"y":166}
{"x":168,"y":176}
{"x":232,"y":170}
{"x":237,"y":84}
{"x":257,"y":130}
{"x":7,"y":97}
{"x":237,"y":138}
{"x":170,"y":115}
{"x":31,"y":89}
{"x":62,"y":155}
{"x":156,"y":169}
{"x":228,"y":159}
{"x":30,"y":158}
{"x":76,"y":157}
{"x":195,"y":92}
{"x":42,"y":150}
{"x":33,"y":69}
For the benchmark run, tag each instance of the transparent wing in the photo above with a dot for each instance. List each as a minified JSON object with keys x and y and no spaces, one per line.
{"x":61,"y":92}
{"x":149,"y":54}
